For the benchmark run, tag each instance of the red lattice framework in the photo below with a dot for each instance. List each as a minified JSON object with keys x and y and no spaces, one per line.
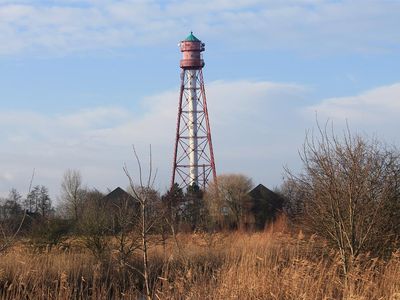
{"x":206,"y":162}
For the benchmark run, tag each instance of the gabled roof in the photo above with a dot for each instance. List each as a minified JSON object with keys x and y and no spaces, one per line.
{"x":260,"y":192}
{"x":117,"y":194}
{"x":191,"y":38}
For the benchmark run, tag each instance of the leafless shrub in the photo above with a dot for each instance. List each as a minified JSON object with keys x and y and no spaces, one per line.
{"x":148,"y":216}
{"x":8,"y":230}
{"x":349,"y":193}
{"x":125,"y":221}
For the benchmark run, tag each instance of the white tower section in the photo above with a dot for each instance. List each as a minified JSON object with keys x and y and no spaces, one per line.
{"x":193,"y":129}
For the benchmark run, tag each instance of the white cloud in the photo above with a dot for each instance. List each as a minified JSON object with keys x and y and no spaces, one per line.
{"x":247,"y":120}
{"x":374,"y":112}
{"x":322,"y":25}
{"x":376,"y":105}
{"x":96,"y":117}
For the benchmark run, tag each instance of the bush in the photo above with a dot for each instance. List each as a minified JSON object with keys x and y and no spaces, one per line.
{"x":349,"y":193}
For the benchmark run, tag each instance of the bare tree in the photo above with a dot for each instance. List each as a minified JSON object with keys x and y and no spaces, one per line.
{"x":125,"y":219}
{"x":145,"y":196}
{"x":348,"y":190}
{"x":294,"y":197}
{"x":95,"y":224}
{"x":7,"y":235}
{"x":10,"y":218}
{"x":229,"y":200}
{"x":72,"y":193}
{"x":11,"y":208}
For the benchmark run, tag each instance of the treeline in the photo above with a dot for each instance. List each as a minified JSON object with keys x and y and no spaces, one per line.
{"x":36,"y":202}
{"x":95,"y":216}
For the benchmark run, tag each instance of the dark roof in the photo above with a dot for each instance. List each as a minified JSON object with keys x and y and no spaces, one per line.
{"x":117,"y":195}
{"x":260,"y":192}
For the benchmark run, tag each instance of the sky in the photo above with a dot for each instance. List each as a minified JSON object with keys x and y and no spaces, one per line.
{"x":84,"y":80}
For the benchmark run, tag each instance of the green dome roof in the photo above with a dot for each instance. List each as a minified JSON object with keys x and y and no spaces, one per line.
{"x":192,"y":38}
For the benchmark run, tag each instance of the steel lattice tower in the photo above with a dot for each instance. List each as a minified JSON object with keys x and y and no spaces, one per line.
{"x":193,"y":154}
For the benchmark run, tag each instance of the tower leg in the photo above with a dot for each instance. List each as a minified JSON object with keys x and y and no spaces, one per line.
{"x":208,"y":128}
{"x":178,"y":128}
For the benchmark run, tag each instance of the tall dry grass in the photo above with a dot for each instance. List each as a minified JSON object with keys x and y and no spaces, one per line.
{"x":267,"y":265}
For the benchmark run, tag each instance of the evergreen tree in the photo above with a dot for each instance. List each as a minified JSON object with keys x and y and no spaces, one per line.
{"x":38,"y":201}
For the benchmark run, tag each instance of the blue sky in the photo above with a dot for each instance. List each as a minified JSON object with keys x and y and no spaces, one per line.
{"x":83,"y":80}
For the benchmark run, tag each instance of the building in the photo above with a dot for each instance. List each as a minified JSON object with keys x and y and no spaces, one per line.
{"x":264,"y":207}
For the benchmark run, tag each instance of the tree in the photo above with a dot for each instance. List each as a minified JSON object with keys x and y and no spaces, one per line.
{"x":229,"y":201}
{"x":72,"y":193}
{"x":8,"y":236}
{"x":30,"y":203}
{"x":349,"y":192}
{"x":294,"y":197}
{"x":173,"y":201}
{"x":11,"y":219}
{"x":193,"y":210}
{"x":38,"y":201}
{"x":44,"y":202}
{"x":125,"y":219}
{"x":95,"y":224}
{"x":148,"y":218}
{"x":11,"y":208}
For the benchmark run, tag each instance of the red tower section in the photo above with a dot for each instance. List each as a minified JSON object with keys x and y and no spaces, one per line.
{"x":194,"y":162}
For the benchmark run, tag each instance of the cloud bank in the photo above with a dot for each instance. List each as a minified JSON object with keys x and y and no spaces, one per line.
{"x":373,"y":112}
{"x":61,"y":27}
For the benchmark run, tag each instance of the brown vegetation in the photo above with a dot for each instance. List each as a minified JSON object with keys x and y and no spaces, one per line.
{"x":265,"y":265}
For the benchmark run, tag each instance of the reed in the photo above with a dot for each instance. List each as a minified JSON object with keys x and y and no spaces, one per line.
{"x":237,"y":265}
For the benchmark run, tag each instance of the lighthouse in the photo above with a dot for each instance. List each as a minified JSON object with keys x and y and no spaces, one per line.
{"x":194,"y":163}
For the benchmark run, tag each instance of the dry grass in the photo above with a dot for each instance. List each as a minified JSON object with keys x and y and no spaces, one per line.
{"x":264,"y":265}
